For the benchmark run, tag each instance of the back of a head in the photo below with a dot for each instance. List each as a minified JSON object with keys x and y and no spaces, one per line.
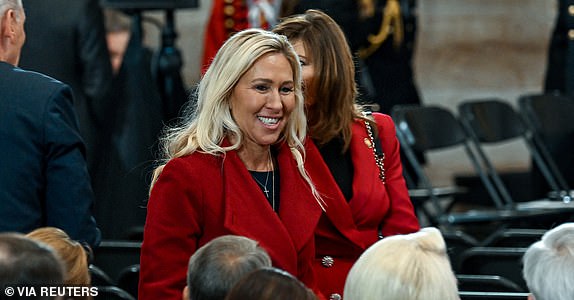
{"x":270,"y":284}
{"x":71,"y":252}
{"x":26,"y":262}
{"x":549,"y":264}
{"x":218,"y":265}
{"x":411,"y":266}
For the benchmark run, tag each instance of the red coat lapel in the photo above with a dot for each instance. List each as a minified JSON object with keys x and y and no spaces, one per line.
{"x":299,"y":211}
{"x":247,"y":211}
{"x":338,"y":210}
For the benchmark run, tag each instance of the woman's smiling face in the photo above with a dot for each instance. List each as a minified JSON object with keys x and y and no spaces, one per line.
{"x":263,"y":100}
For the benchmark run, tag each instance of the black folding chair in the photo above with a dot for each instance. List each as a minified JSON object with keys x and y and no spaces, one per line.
{"x":493,"y":121}
{"x":457,"y":241}
{"x":549,"y":117}
{"x":513,"y":237}
{"x":433,"y":128}
{"x":128,"y":279}
{"x":112,"y":293}
{"x":113,"y":256}
{"x":99,"y":277}
{"x":495,"y":261}
{"x":486,"y":283}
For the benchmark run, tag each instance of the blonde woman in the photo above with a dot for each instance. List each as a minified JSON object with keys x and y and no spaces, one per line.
{"x":235,"y":166}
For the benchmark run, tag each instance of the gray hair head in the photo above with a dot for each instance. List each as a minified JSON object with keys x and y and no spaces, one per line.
{"x":214,"y":268}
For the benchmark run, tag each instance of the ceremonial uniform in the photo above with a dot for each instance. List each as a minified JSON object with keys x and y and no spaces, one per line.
{"x":560,"y":69}
{"x":230,"y":16}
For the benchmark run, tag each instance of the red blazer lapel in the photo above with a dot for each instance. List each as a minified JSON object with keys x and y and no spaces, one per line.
{"x":300,"y":211}
{"x":338,"y":210}
{"x":248,"y":213}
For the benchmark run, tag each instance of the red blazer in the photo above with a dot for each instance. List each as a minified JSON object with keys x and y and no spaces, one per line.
{"x":201,"y":196}
{"x":348,"y":228}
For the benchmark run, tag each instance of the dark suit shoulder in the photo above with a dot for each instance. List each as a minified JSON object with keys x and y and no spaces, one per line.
{"x":31,"y":84}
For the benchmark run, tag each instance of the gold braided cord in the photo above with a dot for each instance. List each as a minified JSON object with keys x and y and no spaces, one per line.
{"x":392,"y":23}
{"x":366,"y":8}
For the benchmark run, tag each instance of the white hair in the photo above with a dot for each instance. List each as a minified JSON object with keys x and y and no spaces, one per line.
{"x":11,"y":4}
{"x":411,"y":266}
{"x":549,"y":265}
{"x":14,"y":4}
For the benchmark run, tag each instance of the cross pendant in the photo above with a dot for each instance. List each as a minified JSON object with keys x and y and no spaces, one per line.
{"x":266,"y":191}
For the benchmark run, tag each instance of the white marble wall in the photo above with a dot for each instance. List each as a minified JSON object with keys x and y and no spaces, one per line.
{"x":471,"y":49}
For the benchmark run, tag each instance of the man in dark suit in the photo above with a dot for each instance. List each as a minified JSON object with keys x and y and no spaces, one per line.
{"x":43,"y":175}
{"x":66,"y":41}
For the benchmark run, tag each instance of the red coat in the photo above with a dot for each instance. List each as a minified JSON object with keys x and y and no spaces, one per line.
{"x":348,"y":228}
{"x":201,"y":196}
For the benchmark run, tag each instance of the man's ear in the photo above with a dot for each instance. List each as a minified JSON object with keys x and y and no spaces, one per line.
{"x":185,"y":295}
{"x":9,"y":23}
{"x":4,"y":25}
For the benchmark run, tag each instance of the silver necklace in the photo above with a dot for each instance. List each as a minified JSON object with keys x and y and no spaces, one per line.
{"x":264,"y":186}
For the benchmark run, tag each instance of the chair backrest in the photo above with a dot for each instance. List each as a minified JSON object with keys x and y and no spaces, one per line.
{"x":492,"y":296}
{"x":457,"y":241}
{"x":494,"y":120}
{"x":428,"y":127}
{"x":513,"y":237}
{"x":550,"y":118}
{"x":113,"y":256}
{"x":550,"y":114}
{"x":433,"y":128}
{"x":498,"y":261}
{"x":128,"y":279}
{"x":98,"y":276}
{"x":486,"y":283}
{"x":112,"y":293}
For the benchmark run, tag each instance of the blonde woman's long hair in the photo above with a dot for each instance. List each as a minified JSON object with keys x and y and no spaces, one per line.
{"x":206,"y":125}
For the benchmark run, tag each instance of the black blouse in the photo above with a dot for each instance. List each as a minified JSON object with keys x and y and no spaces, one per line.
{"x":340,"y":165}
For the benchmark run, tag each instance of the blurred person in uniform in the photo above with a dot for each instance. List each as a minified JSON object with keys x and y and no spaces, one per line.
{"x":559,"y":79}
{"x":230,"y":16}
